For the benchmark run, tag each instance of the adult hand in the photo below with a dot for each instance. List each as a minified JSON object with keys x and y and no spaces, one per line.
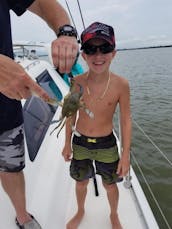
{"x":15,"y":83}
{"x":64,"y":52}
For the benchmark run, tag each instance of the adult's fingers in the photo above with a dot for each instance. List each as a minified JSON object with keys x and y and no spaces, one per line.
{"x":55,"y":53}
{"x":66,"y":60}
{"x":34,"y":88}
{"x":62,"y":58}
{"x":64,"y":52}
{"x":71,"y":57}
{"x":25,"y":92}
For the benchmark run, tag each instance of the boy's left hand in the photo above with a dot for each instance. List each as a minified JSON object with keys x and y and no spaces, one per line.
{"x":123,"y":166}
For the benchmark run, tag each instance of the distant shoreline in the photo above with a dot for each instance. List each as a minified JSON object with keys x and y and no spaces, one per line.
{"x":149,"y":47}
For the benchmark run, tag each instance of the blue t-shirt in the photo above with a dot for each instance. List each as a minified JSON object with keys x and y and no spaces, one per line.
{"x":10,"y":109}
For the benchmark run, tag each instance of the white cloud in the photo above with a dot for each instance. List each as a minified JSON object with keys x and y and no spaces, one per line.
{"x":135,"y":21}
{"x":30,"y":27}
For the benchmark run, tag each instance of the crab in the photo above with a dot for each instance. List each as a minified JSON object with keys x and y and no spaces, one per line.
{"x":72,"y":103}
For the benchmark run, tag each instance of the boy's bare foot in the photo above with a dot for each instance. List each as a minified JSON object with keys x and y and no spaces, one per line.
{"x":75,"y":221}
{"x":115,"y":221}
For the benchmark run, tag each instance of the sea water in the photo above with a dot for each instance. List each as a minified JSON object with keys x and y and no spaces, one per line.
{"x":149,"y":72}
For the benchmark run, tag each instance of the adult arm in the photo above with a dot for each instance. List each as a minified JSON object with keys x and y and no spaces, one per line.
{"x":14,"y":81}
{"x":65,"y":48}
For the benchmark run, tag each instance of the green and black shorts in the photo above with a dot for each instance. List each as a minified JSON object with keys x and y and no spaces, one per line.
{"x":102,"y":150}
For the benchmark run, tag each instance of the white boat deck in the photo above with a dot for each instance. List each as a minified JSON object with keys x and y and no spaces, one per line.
{"x":51,"y":198}
{"x":51,"y":191}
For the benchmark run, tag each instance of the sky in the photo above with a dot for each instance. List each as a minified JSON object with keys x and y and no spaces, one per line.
{"x":137,"y":23}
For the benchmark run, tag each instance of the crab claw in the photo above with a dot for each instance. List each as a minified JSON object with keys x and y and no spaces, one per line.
{"x":54,"y":102}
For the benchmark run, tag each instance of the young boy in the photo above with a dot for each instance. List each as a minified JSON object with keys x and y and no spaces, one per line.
{"x":103,"y":90}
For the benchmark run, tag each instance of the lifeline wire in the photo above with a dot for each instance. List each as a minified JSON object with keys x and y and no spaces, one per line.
{"x":153,"y":143}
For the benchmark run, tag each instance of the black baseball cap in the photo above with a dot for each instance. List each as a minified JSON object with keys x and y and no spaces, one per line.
{"x":98,"y":30}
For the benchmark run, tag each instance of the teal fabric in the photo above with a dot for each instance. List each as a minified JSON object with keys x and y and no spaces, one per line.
{"x":76,"y":70}
{"x":56,"y":90}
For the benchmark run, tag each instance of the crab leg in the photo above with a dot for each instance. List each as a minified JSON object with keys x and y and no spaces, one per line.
{"x":64,"y":122}
{"x":57,"y":126}
{"x":51,"y":101}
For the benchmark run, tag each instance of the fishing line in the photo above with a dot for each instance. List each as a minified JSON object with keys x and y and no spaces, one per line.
{"x":81,"y":14}
{"x":70,"y":14}
{"x":80,"y":11}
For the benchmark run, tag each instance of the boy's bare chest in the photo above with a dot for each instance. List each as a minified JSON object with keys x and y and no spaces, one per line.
{"x":98,"y":105}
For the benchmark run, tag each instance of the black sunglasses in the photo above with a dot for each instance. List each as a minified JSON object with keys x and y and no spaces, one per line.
{"x":92,"y":49}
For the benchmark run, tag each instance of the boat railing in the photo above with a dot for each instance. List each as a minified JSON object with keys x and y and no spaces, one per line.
{"x":153,"y":143}
{"x":167,"y":160}
{"x":33,"y":63}
{"x":129,"y":177}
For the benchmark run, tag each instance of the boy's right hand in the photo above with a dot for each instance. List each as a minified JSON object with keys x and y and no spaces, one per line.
{"x":67,"y":153}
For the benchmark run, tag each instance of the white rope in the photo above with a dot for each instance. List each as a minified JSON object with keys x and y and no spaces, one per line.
{"x":150,"y":190}
{"x":153,"y":143}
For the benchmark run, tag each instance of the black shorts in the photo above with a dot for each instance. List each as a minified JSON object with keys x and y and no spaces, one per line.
{"x":81,"y":170}
{"x":102,"y":150}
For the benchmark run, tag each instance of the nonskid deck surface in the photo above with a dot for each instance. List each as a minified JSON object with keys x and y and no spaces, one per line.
{"x":51,"y":197}
{"x":97,"y":209}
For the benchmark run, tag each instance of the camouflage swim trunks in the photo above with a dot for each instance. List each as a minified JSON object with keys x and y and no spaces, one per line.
{"x":12,"y":153}
{"x":102,"y":150}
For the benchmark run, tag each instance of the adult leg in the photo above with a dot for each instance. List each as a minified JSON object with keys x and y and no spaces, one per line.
{"x":14,"y":185}
{"x":11,"y":166}
{"x":113,"y":198}
{"x":81,"y":192}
